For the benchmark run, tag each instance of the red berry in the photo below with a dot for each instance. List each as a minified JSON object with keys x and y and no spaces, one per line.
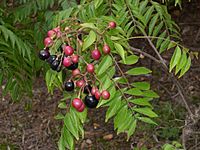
{"x":48,"y":42}
{"x":80,"y":83}
{"x":105,"y":95}
{"x":93,"y":90}
{"x":81,"y":109}
{"x":77,"y":103}
{"x":67,"y":61}
{"x":97,"y":94}
{"x":76,"y":72}
{"x":51,"y":34}
{"x":96,"y":54}
{"x":90,"y":68}
{"x":106,"y":49}
{"x":57,"y":29}
{"x":112,"y":25}
{"x":75,"y":58}
{"x":68,"y":50}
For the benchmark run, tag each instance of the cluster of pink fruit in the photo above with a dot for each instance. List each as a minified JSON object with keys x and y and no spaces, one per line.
{"x":67,"y":57}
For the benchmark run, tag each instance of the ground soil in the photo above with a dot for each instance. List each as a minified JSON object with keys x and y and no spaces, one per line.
{"x":36,"y":129}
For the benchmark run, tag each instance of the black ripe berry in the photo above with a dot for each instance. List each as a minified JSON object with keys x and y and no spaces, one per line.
{"x":55,"y":64}
{"x":91,"y":101}
{"x":73,"y":66}
{"x":69,"y":86}
{"x":44,"y":54}
{"x":87,"y":89}
{"x":51,"y":59}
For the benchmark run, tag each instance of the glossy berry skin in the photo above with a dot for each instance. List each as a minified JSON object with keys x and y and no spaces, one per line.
{"x":44,"y":54}
{"x":76,"y":72}
{"x":90,"y":68}
{"x":80,"y":83}
{"x":81,"y":109}
{"x":96,"y":55}
{"x":48,"y":42}
{"x":106,"y":49}
{"x":51,"y":34}
{"x":73,"y":66}
{"x":97,"y":95}
{"x":87,"y":89}
{"x":94,"y":89}
{"x":67,"y":61}
{"x":69,"y":86}
{"x":51,"y":58}
{"x":54,"y":65}
{"x":105,"y":95}
{"x":112,"y":25}
{"x":91,"y":101}
{"x":77,"y":103}
{"x":68,"y":50}
{"x":75,"y":58}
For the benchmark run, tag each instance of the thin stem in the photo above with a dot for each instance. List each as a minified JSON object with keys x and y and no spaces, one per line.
{"x":116,"y":84}
{"x":121,"y":72}
{"x":145,"y":54}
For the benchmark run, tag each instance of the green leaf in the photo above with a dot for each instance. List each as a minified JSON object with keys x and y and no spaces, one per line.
{"x":141,"y":85}
{"x":147,"y":120}
{"x":138,"y":71}
{"x":82,"y":115}
{"x":164,"y":45}
{"x":146,"y":111}
{"x":131,"y":129}
{"x":152,"y":23}
{"x":120,"y":50}
{"x":175,"y":58}
{"x":97,"y":3}
{"x":120,"y":117}
{"x":130,"y":60}
{"x":186,"y":67}
{"x":141,"y":101}
{"x":89,"y":25}
{"x":148,"y":14}
{"x":171,"y":45}
{"x":114,"y":107}
{"x":168,"y":147}
{"x":134,"y":91}
{"x":70,"y":126}
{"x":62,"y":105}
{"x":104,"y":64}
{"x":91,"y":38}
{"x":150,"y":93}
{"x":182,"y":62}
{"x":59,"y":116}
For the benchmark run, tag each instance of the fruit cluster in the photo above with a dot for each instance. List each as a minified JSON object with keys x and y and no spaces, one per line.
{"x":67,"y":56}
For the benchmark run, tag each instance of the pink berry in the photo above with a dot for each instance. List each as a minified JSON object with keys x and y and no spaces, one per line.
{"x":93,"y":90}
{"x":97,"y":95}
{"x":90,"y":68}
{"x":75,"y":58}
{"x":58,"y":32}
{"x":77,"y":103}
{"x":112,"y":25}
{"x":106,"y":49}
{"x":80,"y":83}
{"x":76,"y":72}
{"x":48,"y":42}
{"x":67,"y":61}
{"x":51,"y":34}
{"x":68,"y":50}
{"x":96,"y":54}
{"x":105,"y":95}
{"x":81,"y":109}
